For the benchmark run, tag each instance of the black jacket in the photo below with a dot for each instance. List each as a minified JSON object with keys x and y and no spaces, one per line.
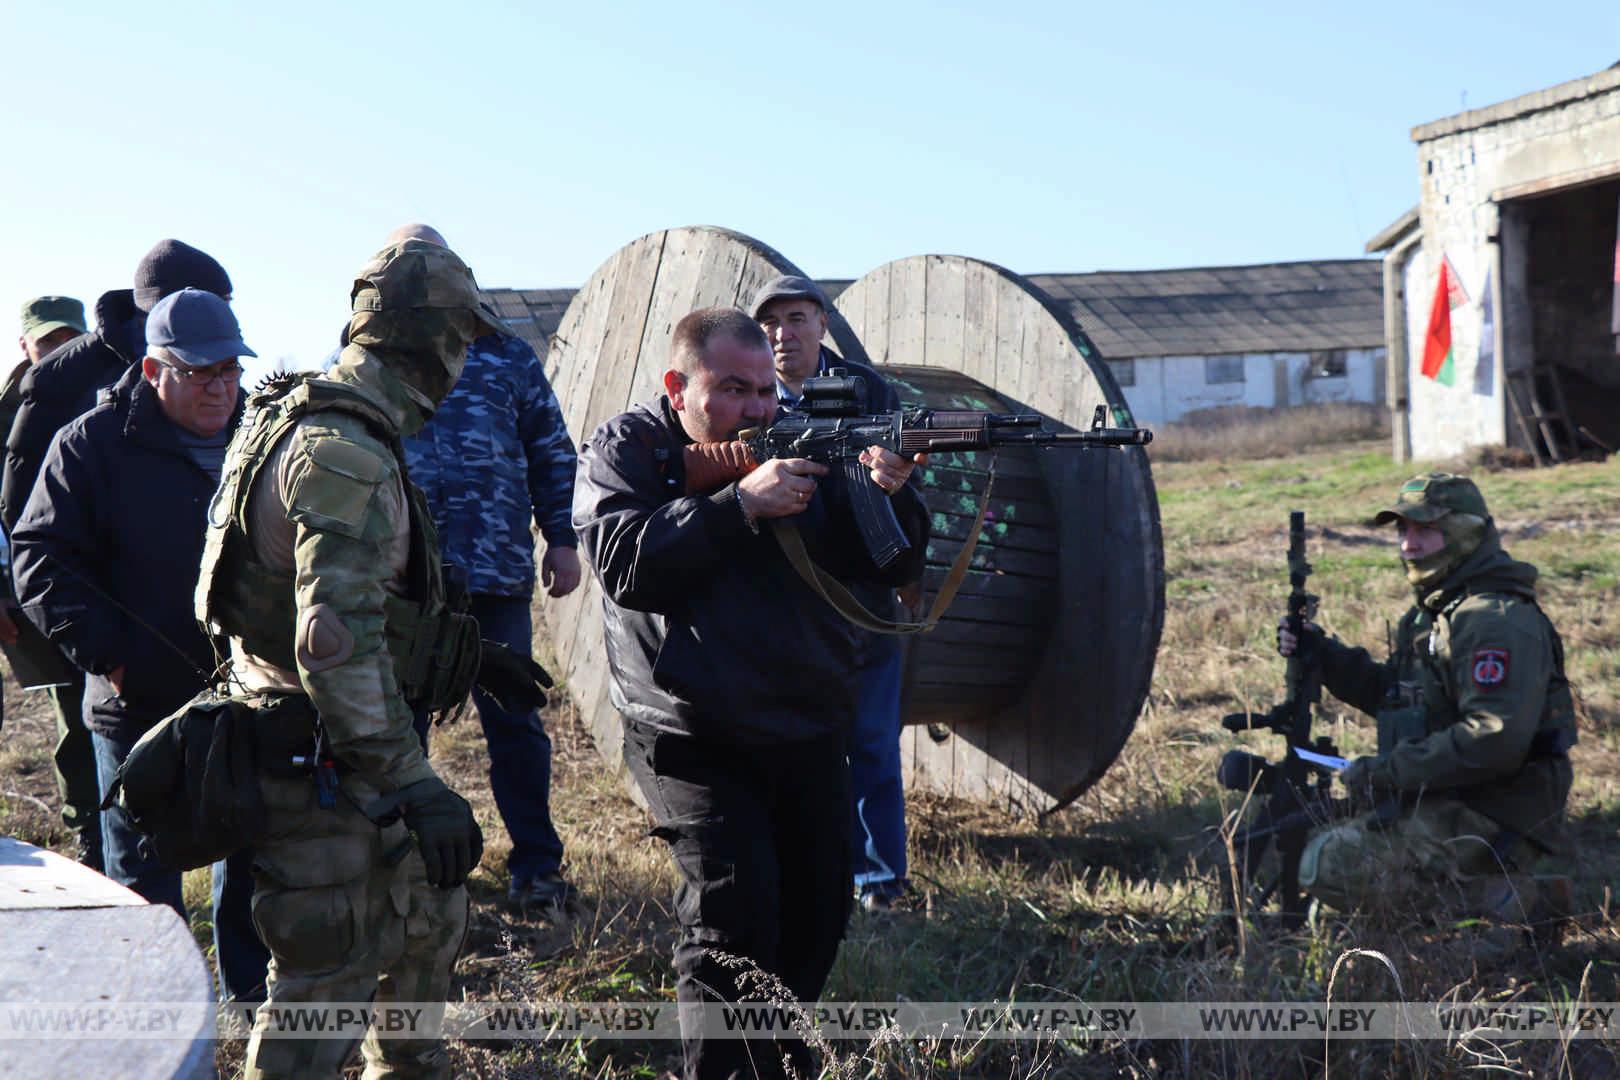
{"x":107,"y":553}
{"x":709,"y":630}
{"x":64,"y":385}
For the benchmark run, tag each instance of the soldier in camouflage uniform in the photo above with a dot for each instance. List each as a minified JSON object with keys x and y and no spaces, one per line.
{"x":496,"y":456}
{"x":323,"y":568}
{"x":1475,"y":721}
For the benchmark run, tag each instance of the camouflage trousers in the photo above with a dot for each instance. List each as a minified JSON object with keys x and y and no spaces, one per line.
{"x":1436,"y":856}
{"x":348,"y":915}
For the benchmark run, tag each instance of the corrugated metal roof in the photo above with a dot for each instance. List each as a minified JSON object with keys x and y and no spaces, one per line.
{"x":1276,"y":307}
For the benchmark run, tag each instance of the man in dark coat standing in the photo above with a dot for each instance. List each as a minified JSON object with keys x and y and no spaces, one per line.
{"x":61,"y":385}
{"x":739,"y":752}
{"x":107,"y":554}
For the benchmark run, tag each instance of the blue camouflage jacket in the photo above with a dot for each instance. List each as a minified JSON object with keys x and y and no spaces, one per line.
{"x":496,"y":452}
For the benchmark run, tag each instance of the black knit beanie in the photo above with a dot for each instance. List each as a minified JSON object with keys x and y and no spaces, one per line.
{"x":171,"y":266}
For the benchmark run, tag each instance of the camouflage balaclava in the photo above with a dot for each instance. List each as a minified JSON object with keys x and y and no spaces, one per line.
{"x":416,"y":308}
{"x":1451,"y":504}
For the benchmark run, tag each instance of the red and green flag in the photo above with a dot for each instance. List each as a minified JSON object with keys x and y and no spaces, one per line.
{"x":1439,"y":361}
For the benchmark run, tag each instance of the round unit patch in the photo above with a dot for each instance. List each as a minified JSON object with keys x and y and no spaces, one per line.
{"x":1490,"y":668}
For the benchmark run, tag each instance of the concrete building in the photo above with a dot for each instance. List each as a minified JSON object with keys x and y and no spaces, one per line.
{"x":1181,"y":340}
{"x":1523,"y":199}
{"x":1272,"y":336}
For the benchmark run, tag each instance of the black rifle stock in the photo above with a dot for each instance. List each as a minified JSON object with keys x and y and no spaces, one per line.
{"x":828,"y":427}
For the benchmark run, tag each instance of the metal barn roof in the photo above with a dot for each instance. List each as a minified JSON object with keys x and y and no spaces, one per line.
{"x":1276,"y":307}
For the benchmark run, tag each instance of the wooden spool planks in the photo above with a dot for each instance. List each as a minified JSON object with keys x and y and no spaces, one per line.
{"x":78,"y":944}
{"x":610,"y":351}
{"x":1102,"y":610}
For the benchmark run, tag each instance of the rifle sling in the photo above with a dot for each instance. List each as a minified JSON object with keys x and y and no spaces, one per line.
{"x":843,"y":601}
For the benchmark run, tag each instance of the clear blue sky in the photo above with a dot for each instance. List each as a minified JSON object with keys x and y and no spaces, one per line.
{"x":287,"y":139}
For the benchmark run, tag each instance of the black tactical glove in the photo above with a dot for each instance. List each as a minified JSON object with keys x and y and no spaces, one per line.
{"x":445,"y":830}
{"x":514,"y":680}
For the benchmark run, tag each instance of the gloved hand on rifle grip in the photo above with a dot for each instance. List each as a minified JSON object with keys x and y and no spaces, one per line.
{"x":1287,"y":643}
{"x":445,"y":831}
{"x":1367,"y":780}
{"x":514,"y":680}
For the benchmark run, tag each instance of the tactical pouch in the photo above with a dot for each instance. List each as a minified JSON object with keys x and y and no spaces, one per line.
{"x":1397,"y":725}
{"x":191,"y":784}
{"x":443,"y":663}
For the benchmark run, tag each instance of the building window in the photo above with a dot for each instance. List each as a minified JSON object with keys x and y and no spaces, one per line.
{"x":1223,"y":369}
{"x":1329,"y":364}
{"x":1124,"y":371}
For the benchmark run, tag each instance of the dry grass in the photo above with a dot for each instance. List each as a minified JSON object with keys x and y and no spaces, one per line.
{"x":1244,"y":432}
{"x":1120,"y":897}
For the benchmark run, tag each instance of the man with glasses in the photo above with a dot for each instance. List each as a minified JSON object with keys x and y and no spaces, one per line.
{"x":59,"y":385}
{"x":107,"y":553}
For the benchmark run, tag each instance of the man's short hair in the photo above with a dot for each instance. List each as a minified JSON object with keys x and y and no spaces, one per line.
{"x":694,"y":332}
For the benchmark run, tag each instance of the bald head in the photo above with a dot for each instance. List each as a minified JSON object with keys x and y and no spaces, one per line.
{"x":416,"y":231}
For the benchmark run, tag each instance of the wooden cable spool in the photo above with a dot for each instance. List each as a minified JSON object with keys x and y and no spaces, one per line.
{"x":1030,"y":686}
{"x":1041,"y":666}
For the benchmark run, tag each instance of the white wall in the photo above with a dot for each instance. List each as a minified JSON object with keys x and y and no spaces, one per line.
{"x":1169,"y":387}
{"x":1578,"y":131}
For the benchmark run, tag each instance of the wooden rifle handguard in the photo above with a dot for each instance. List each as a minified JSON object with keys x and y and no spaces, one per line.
{"x":711,"y":466}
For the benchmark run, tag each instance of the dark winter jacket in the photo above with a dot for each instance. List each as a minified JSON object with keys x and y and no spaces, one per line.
{"x":64,"y":385}
{"x":107,"y":551}
{"x":709,"y":631}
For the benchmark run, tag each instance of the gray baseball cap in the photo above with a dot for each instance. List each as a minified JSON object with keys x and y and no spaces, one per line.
{"x":787,"y":287}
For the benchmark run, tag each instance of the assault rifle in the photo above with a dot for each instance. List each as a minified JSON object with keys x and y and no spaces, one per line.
{"x":1294,"y":793}
{"x":828,"y":426}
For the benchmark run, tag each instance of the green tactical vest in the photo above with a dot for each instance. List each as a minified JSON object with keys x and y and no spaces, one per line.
{"x":435,"y":649}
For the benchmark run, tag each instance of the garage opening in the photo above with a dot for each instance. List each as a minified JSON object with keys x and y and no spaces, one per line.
{"x":1561,"y":363}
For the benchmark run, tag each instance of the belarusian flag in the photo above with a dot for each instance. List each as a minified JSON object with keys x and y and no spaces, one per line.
{"x":1438,"y":362}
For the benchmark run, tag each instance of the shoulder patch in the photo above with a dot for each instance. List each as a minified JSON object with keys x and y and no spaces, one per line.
{"x":1490,"y":668}
{"x":334,"y":491}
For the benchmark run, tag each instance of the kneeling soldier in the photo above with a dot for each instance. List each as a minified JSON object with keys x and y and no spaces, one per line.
{"x":1475,"y":721}
{"x":321,"y":565}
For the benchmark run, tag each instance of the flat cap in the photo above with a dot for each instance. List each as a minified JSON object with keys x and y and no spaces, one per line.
{"x":787,"y":287}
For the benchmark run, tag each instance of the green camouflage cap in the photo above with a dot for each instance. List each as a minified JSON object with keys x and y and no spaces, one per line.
{"x":1428,"y":498}
{"x":44,"y":314}
{"x":416,"y":274}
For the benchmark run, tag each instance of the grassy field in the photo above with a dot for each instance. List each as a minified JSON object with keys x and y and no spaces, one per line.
{"x":1118,"y":898}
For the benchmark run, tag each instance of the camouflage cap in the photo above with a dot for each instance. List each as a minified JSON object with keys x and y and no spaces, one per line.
{"x":417,"y":274}
{"x":44,"y":314}
{"x":1428,"y":498}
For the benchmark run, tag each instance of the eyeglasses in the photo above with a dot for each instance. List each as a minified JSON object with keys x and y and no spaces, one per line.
{"x":228,"y":373}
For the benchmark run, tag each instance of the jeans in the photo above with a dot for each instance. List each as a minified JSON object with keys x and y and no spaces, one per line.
{"x":879,"y":825}
{"x":758,"y":839}
{"x":121,"y":840}
{"x":519,"y":749}
{"x":241,"y":957}
{"x":239,"y":954}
